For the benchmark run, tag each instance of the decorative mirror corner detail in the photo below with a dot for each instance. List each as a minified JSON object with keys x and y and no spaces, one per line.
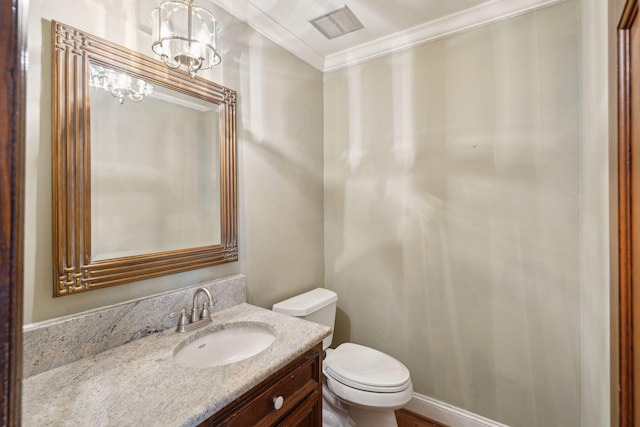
{"x":143,"y":166}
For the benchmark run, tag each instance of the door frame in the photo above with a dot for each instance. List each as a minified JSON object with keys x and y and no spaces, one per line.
{"x":626,"y":210}
{"x":12,"y":43}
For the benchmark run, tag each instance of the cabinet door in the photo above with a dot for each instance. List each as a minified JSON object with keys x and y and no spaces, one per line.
{"x":296,"y":386}
{"x":308,"y":414}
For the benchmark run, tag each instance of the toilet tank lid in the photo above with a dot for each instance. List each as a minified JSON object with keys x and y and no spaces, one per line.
{"x":307,"y":303}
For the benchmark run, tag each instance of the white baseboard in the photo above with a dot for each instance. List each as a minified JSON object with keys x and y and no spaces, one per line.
{"x":448,"y":414}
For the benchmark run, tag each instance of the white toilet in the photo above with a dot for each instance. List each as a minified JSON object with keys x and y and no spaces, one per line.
{"x":363,"y":386}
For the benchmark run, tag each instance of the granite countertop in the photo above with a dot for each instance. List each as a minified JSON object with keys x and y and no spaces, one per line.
{"x":139,"y":383}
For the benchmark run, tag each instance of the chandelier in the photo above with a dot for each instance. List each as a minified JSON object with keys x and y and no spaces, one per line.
{"x":120,"y":85}
{"x":185,"y":36}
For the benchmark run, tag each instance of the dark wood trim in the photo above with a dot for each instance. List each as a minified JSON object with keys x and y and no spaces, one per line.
{"x":74,"y":270}
{"x":11,"y":208}
{"x":626,"y":211}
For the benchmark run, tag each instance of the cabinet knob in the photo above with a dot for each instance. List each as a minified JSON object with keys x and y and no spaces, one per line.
{"x":278,"y":402}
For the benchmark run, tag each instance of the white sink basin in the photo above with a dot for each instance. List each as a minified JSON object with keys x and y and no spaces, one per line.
{"x":224,"y":346}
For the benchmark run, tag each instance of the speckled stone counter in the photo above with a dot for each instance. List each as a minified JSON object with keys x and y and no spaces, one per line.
{"x":139,"y":383}
{"x":63,"y":340}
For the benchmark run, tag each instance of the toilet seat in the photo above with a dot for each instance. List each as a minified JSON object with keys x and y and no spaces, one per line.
{"x":366,"y":369}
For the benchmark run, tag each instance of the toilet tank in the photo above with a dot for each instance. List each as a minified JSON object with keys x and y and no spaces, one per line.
{"x":318,"y":305}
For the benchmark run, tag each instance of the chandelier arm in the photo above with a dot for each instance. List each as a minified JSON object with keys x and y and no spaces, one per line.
{"x":165,"y":60}
{"x":116,"y":94}
{"x":200,"y":62}
{"x":136,"y":97}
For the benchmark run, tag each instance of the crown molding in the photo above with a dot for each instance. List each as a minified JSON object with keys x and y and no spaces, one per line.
{"x":465,"y":20}
{"x":271,"y":29}
{"x":484,"y":14}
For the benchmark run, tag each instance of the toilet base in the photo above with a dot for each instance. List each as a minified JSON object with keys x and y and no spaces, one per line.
{"x":336,"y":413}
{"x":373,"y":418}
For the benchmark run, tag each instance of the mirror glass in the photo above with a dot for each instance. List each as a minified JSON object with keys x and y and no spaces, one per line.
{"x":155,"y":170}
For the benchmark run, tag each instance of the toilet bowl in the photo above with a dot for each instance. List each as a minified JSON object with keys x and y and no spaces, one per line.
{"x":362,"y":386}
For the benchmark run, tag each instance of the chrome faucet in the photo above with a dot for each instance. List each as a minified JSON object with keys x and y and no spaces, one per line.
{"x":198,"y":318}
{"x":204,"y":314}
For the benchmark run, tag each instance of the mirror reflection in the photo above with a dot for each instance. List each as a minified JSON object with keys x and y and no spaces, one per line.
{"x":155,"y":167}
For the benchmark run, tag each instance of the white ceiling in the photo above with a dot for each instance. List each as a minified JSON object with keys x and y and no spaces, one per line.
{"x":389,"y":25}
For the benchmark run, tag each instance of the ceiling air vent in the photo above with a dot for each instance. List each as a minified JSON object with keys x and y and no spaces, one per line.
{"x":337,"y":23}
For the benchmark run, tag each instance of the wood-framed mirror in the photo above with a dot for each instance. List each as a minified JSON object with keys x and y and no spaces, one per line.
{"x":143,"y":166}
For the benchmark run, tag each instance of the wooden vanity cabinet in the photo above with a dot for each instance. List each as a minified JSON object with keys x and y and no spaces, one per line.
{"x":298,"y":384}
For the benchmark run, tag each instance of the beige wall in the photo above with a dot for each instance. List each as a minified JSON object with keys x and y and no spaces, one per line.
{"x":279,"y":166}
{"x":597,"y":163}
{"x":452,"y":214}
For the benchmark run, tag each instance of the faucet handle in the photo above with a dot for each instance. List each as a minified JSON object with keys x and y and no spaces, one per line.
{"x":182,"y":321}
{"x":182,"y":312}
